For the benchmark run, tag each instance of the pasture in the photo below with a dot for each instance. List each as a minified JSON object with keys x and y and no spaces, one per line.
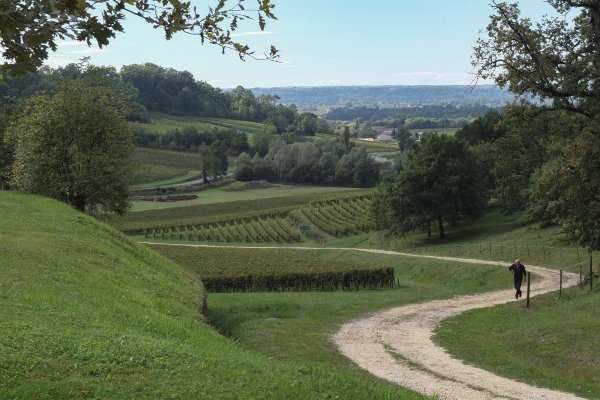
{"x":91,"y":314}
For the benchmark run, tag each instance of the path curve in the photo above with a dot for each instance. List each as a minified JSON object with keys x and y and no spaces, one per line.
{"x":396,"y":344}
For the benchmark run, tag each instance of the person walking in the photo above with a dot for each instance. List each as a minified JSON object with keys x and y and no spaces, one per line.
{"x":518,"y":271}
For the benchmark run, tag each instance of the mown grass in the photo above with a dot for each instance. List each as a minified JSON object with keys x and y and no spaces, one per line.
{"x":553,"y":344}
{"x":88,"y":314}
{"x":281,"y":325}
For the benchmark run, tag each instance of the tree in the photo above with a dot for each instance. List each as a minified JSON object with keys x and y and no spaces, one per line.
{"x":556,"y":61}
{"x":29,"y":28}
{"x":484,"y":129}
{"x":214,"y":161}
{"x":404,"y":138}
{"x":568,"y":188}
{"x":75,"y":146}
{"x":439,"y":182}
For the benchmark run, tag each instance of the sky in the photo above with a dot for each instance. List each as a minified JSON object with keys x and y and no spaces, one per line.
{"x":322,"y":43}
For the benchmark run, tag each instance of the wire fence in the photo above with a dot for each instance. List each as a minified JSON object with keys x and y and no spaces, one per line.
{"x":564,"y":259}
{"x":534,"y":254}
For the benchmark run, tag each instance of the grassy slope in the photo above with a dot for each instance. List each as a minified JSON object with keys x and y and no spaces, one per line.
{"x":554,"y":344}
{"x":89,"y":314}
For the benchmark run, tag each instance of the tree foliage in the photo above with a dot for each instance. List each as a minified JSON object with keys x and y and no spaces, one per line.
{"x":556,"y":62}
{"x":74,"y":145}
{"x":29,"y":29}
{"x":440,"y":181}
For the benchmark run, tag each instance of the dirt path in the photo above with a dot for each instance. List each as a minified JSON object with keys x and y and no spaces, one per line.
{"x":397,"y":345}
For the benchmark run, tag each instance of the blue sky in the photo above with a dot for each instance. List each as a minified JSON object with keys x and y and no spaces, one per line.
{"x":322,"y":42}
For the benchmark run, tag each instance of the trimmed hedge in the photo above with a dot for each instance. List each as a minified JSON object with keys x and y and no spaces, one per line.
{"x":250,"y":270}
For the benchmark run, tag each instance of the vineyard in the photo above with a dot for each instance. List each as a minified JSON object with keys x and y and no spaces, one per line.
{"x":317,"y":221}
{"x":340,"y":217}
{"x":243,"y":270}
{"x":273,"y":228}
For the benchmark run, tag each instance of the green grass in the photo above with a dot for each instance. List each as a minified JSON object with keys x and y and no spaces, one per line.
{"x":156,"y":183}
{"x":156,"y":167}
{"x":161,"y":123}
{"x":88,"y":314}
{"x":554,"y":344}
{"x":377,"y":147}
{"x":144,"y":174}
{"x":508,"y":237}
{"x":281,"y":324}
{"x":168,"y":158}
{"x":233,"y":193}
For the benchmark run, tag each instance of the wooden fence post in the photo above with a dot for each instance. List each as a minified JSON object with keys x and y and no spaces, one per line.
{"x":528,"y":287}
{"x":560,"y":287}
{"x":591,"y":273}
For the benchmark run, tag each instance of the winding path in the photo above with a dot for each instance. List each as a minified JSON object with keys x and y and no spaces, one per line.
{"x":396,"y":344}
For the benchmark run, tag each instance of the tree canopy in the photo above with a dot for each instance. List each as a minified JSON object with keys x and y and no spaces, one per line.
{"x":440,"y":181}
{"x":554,"y":65}
{"x":29,"y":29}
{"x":74,"y":145}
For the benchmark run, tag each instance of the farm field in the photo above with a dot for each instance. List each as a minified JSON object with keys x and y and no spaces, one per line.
{"x":279,"y":324}
{"x":161,"y":123}
{"x":137,"y":221}
{"x":246,"y":270}
{"x":239,"y":191}
{"x":155,"y":167}
{"x":94,"y":315}
{"x":317,"y":221}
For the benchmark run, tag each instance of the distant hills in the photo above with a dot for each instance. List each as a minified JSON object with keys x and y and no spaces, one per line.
{"x":387,"y":96}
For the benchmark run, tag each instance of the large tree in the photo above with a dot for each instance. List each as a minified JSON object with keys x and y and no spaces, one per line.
{"x":29,"y":28}
{"x":555,"y":61}
{"x":440,"y":181}
{"x":75,"y":146}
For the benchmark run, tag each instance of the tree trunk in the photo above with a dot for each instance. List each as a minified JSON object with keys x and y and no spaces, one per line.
{"x":441,"y":228}
{"x":78,"y":202}
{"x":204,"y":177}
{"x":429,"y":228}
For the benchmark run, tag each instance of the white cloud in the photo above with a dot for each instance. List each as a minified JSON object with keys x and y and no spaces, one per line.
{"x":431,"y":78}
{"x":69,"y":43}
{"x":91,"y":50}
{"x":256,"y":33}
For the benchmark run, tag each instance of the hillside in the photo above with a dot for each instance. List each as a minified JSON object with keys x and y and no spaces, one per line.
{"x":390,"y":95}
{"x":89,"y":314}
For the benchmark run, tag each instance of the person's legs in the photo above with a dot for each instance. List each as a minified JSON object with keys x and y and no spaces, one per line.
{"x":518,"y":287}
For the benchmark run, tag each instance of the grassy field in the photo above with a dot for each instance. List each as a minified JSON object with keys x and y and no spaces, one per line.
{"x":161,"y":123}
{"x":280,"y":324}
{"x":224,"y":210}
{"x":247,"y":270}
{"x":89,"y":314}
{"x":554,"y":344}
{"x":376,"y":147}
{"x":238,"y":191}
{"x":155,"y":167}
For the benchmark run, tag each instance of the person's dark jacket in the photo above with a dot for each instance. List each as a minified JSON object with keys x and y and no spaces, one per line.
{"x":518,"y":270}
